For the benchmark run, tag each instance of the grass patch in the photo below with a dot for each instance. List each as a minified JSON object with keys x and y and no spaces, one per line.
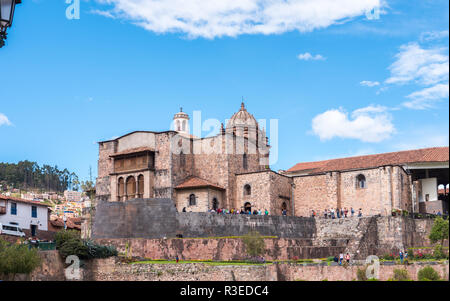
{"x":207,"y":262}
{"x":225,"y":237}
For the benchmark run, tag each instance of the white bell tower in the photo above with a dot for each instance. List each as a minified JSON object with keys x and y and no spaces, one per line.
{"x":181,"y":122}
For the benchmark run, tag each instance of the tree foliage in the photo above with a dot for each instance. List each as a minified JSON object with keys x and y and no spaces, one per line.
{"x":254,"y":244}
{"x":439,"y":232}
{"x":17,"y":259}
{"x":70,"y":243}
{"x":29,"y":175}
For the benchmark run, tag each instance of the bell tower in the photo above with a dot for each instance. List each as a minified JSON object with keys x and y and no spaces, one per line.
{"x":181,"y":122}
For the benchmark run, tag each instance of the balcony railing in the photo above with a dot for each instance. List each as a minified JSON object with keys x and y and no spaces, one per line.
{"x":2,"y":210}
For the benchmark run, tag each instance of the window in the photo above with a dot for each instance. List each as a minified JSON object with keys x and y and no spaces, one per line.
{"x":245,"y":161}
{"x":13,"y":208}
{"x":192,"y":200}
{"x":121,"y":190}
{"x":33,"y":211}
{"x":141,"y":186}
{"x":361,"y":181}
{"x":131,"y":188}
{"x":247,"y":190}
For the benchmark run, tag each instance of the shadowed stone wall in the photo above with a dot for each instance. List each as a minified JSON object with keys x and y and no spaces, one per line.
{"x":158,"y":218}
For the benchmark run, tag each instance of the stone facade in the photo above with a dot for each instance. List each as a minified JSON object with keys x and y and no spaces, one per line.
{"x":385,"y":188}
{"x":233,"y":161}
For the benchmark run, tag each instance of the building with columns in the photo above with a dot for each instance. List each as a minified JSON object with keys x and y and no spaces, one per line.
{"x":231,"y":170}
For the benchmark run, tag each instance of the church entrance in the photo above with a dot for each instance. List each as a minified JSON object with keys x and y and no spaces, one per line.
{"x":248,"y":207}
{"x":215,"y":204}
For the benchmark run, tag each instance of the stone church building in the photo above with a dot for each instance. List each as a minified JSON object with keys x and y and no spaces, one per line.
{"x":230,"y":170}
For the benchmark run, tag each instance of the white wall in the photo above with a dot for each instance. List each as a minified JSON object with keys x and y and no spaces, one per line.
{"x":23,"y":217}
{"x":429,"y":186}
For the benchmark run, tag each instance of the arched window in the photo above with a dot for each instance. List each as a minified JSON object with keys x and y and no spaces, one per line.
{"x":184,"y":125}
{"x":215,"y":204}
{"x":140,"y":186}
{"x":247,"y":190}
{"x":178,"y":126}
{"x":131,"y":188}
{"x":245,"y":161}
{"x":192,"y":200}
{"x":121,"y":189}
{"x":361,"y":181}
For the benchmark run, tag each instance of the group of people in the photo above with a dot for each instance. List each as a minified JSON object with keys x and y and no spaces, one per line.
{"x":239,"y":211}
{"x":338,"y":213}
{"x":341,"y":259}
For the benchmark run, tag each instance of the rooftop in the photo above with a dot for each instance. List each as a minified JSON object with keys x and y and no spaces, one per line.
{"x":9,"y":198}
{"x":195,"y":182}
{"x":435,"y":154}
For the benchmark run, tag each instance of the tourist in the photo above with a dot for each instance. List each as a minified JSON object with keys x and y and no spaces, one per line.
{"x":347,"y":258}
{"x":338,"y":213}
{"x":342,"y":213}
{"x":346,"y":212}
{"x":336,"y":259}
{"x":266,"y":212}
{"x":325,"y":213}
{"x":259,"y":212}
{"x":284,"y":212}
{"x":401,"y":256}
{"x":360,"y":212}
{"x":332,"y":213}
{"x":352,"y":211}
{"x":184,"y":209}
{"x":177,"y":259}
{"x":439,"y":213}
{"x":341,"y":258}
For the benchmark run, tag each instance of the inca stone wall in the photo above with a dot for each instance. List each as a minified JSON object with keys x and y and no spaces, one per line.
{"x":158,"y":218}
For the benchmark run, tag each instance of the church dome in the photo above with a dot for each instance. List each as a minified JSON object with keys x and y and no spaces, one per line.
{"x":242,"y":119}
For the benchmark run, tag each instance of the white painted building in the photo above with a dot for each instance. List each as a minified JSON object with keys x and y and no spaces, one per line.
{"x":25,"y":214}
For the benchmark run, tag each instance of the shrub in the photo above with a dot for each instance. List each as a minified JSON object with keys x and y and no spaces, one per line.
{"x":361,"y":274}
{"x":17,"y":259}
{"x":62,"y":236}
{"x":438,"y":252}
{"x":428,"y":274}
{"x":254,"y":244}
{"x":401,"y":275}
{"x":75,"y":247}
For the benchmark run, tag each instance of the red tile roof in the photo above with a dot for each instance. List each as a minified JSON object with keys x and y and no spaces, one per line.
{"x":70,"y":223}
{"x":10,"y":198}
{"x":195,"y":182}
{"x":436,"y":154}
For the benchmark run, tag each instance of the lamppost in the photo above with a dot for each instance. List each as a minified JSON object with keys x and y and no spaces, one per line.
{"x":6,"y":17}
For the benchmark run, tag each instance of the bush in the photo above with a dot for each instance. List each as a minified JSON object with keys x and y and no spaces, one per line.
{"x":438,"y":252}
{"x":361,"y":274}
{"x":428,"y":274}
{"x":254,"y":244}
{"x":70,"y":243}
{"x":401,"y":275}
{"x":62,"y":236}
{"x":17,"y":259}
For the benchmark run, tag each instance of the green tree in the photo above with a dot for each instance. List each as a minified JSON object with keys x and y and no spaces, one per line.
{"x":17,"y":259}
{"x":439,"y":232}
{"x":254,"y":244}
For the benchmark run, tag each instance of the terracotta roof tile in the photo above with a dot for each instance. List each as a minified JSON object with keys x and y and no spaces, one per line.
{"x":9,"y":198}
{"x":195,"y":182}
{"x":436,"y":154}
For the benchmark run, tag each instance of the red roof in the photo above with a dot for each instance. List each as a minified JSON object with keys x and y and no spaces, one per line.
{"x":70,"y":223}
{"x":436,"y":154}
{"x":195,"y":182}
{"x":9,"y":198}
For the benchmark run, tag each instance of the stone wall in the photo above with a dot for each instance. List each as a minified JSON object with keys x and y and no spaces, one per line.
{"x":158,"y":218}
{"x":112,"y":270}
{"x":224,"y":249}
{"x":386,"y":188}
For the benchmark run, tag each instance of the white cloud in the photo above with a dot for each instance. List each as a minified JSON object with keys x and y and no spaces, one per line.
{"x":370,"y":124}
{"x":433,"y":35}
{"x":425,"y":98}
{"x":369,"y":83}
{"x":309,"y":57}
{"x":423,"y":66}
{"x":4,"y":120}
{"x":217,"y":18}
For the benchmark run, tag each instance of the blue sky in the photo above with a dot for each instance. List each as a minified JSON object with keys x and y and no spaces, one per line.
{"x":340,"y":82}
